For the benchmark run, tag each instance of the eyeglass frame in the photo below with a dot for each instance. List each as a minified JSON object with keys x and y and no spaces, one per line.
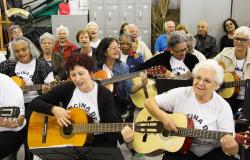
{"x":244,"y":40}
{"x":206,"y":81}
{"x":114,"y":47}
{"x":180,"y":51}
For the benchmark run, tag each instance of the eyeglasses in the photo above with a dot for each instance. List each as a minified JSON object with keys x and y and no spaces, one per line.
{"x":180,"y":51}
{"x":237,"y":39}
{"x":206,"y":81}
{"x":114,"y":48}
{"x":125,"y":43}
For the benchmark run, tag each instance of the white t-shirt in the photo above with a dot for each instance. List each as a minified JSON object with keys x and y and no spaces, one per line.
{"x":124,"y":58}
{"x":95,"y":44}
{"x":239,"y":71}
{"x":178,"y":66}
{"x":11,"y":95}
{"x":26,"y":71}
{"x":213,"y":115}
{"x":2,"y":57}
{"x":87,"y":102}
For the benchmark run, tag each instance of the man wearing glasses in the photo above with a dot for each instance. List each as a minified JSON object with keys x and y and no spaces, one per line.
{"x":237,"y":60}
{"x":176,"y":59}
{"x":205,"y":107}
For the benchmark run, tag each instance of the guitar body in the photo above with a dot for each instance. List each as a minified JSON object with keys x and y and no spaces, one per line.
{"x":19,"y":81}
{"x":153,"y":143}
{"x":139,"y":97}
{"x":102,"y":75}
{"x":55,"y":135}
{"x":232,"y":91}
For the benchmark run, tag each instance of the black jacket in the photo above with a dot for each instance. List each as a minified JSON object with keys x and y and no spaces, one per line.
{"x":164,"y":59}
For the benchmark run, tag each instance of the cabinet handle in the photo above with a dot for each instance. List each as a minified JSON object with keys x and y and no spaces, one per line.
{"x":95,"y":16}
{"x":140,"y":15}
{"x":125,"y":16}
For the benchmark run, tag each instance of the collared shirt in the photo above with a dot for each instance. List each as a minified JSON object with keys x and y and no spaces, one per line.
{"x":161,"y":43}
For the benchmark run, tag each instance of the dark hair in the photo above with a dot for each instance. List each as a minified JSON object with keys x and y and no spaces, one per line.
{"x":122,"y":28}
{"x":100,"y":54}
{"x":83,"y":31}
{"x":232,"y":20}
{"x":79,"y":59}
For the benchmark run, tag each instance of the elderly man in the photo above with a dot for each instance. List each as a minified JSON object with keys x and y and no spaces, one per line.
{"x":161,"y":41}
{"x":138,"y":44}
{"x":175,"y":59}
{"x":205,"y":108}
{"x":205,"y":43}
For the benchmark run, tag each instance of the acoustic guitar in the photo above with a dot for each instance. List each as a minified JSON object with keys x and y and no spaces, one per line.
{"x":140,"y":96}
{"x":21,"y":83}
{"x":231,"y":86}
{"x":170,"y":141}
{"x":9,"y":112}
{"x":102,"y":76}
{"x":44,"y":131}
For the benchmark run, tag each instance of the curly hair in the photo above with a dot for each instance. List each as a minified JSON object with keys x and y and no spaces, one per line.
{"x":80,"y":59}
{"x":233,"y":21}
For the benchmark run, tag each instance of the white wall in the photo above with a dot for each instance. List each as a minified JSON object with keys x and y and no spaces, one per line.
{"x":213,"y":11}
{"x":241,"y":12}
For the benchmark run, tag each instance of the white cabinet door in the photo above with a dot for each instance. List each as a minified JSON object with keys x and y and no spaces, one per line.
{"x":241,"y":12}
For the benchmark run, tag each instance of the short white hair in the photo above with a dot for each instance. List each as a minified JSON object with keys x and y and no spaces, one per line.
{"x":92,"y":23}
{"x":211,"y":64}
{"x":46,"y":35}
{"x":243,"y":30}
{"x":62,"y":27}
{"x":191,"y":39}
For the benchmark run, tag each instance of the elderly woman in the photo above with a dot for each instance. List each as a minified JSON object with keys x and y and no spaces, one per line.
{"x":229,"y":26}
{"x":205,"y":107}
{"x":54,"y":60}
{"x":28,"y":67}
{"x":83,"y":37}
{"x":176,"y":59}
{"x":93,"y":28}
{"x":63,"y":46}
{"x":237,"y":60}
{"x":191,"y":42}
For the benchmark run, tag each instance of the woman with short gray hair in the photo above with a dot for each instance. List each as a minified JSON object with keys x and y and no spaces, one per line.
{"x":63,"y":46}
{"x":191,"y":42}
{"x":54,"y":60}
{"x":175,"y":58}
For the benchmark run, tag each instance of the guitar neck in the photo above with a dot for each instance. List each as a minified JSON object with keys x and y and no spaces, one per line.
{"x":100,"y":128}
{"x":240,"y":83}
{"x":198,"y":133}
{"x":120,"y":78}
{"x":34,"y":87}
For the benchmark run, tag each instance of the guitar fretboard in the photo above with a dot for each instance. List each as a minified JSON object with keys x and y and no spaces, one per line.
{"x":119,"y":78}
{"x":37,"y":87}
{"x":99,"y":128}
{"x":197,"y":133}
{"x":240,"y":83}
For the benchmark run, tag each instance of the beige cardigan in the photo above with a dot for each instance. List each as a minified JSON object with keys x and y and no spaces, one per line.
{"x":227,"y":56}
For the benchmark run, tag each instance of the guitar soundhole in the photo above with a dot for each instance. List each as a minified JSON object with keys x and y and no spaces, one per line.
{"x":166,"y":133}
{"x":68,"y":130}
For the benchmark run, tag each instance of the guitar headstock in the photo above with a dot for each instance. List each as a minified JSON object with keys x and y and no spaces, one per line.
{"x":156,"y":70}
{"x":9,"y":112}
{"x":149,"y":127}
{"x":243,"y":138}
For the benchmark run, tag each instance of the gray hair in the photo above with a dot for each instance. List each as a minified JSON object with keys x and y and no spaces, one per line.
{"x":211,"y":64}
{"x":191,"y":39}
{"x":46,"y":35}
{"x":175,"y":38}
{"x":33,"y":49}
{"x":62,"y":27}
{"x":127,"y":35}
{"x":243,"y":30}
{"x":92,"y":23}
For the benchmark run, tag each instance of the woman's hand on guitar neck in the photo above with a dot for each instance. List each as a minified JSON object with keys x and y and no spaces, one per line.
{"x":62,"y":116}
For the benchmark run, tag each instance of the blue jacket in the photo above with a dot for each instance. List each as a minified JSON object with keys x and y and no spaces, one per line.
{"x":161,"y":43}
